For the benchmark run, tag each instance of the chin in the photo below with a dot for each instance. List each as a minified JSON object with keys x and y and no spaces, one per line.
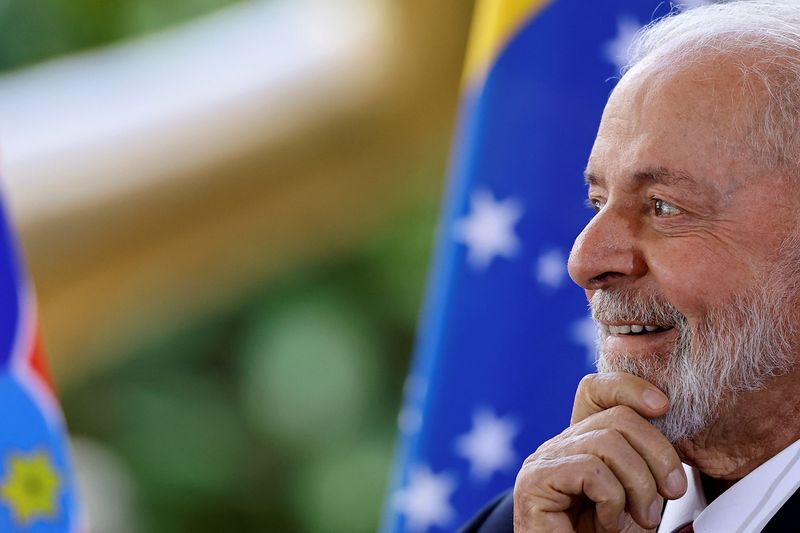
{"x":650,"y":366}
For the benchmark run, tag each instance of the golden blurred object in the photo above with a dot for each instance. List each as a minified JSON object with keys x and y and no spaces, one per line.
{"x":180,"y":213}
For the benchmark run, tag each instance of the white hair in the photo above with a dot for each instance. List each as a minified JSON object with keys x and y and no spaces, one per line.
{"x":762,"y":37}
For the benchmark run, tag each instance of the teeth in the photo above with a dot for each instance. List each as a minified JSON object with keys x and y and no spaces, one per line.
{"x":627,"y":329}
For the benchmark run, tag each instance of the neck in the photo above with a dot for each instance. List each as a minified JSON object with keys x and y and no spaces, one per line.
{"x":713,"y":488}
{"x":751,"y":428}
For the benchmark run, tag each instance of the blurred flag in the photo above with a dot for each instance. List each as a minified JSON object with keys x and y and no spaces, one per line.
{"x":37,"y":491}
{"x":505,"y":335}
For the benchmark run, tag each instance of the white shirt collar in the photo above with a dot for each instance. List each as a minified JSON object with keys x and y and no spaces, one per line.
{"x":745,"y":507}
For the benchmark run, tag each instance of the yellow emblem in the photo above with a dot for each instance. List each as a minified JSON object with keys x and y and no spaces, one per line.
{"x":30,"y":487}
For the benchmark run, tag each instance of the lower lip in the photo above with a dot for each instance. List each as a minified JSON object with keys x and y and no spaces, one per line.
{"x":648,"y":343}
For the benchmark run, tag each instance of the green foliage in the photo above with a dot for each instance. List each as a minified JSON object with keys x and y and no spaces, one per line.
{"x":277,"y":415}
{"x":344,"y":489}
{"x":35,"y":30}
{"x":308,"y":369}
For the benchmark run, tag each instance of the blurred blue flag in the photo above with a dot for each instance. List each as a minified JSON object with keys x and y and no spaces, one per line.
{"x":37,"y":489}
{"x":505,"y":335}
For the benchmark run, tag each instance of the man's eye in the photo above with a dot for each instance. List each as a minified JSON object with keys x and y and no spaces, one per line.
{"x":662,"y":208}
{"x":595,"y":204}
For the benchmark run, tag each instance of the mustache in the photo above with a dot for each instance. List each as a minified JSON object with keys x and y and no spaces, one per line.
{"x":634,"y":307}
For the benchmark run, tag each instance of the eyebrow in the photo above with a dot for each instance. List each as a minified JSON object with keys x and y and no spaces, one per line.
{"x":660,"y":175}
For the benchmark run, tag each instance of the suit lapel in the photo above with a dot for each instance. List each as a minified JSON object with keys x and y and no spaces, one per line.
{"x":787,"y":519}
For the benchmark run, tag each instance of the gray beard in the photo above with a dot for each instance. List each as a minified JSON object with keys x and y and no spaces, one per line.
{"x":735,"y":349}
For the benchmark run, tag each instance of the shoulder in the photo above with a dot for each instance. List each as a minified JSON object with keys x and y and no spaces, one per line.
{"x":496,"y":517}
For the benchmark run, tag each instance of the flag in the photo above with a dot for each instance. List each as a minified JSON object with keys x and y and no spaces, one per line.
{"x":37,"y":490}
{"x":505,"y":336}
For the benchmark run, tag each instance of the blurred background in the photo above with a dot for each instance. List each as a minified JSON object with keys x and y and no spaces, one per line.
{"x":228,"y":208}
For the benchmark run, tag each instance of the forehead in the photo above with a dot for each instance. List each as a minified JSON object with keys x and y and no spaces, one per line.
{"x":690,"y":121}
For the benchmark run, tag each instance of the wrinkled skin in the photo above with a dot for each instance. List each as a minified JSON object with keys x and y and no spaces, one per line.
{"x":608,"y":470}
{"x":686,"y":212}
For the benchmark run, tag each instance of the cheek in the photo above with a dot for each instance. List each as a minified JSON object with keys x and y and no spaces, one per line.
{"x":695,"y":277}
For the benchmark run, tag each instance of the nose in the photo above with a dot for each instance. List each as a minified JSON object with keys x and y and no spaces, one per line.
{"x":607,"y":252}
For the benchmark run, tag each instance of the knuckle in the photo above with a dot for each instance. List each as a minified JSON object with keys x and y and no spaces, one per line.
{"x":528,"y":460}
{"x":550,"y":447}
{"x":537,"y":472}
{"x":589,"y":462}
{"x":668,"y":459}
{"x":621,"y":416}
{"x":666,"y":449}
{"x":586,"y":384}
{"x":535,"y":465}
{"x":531,"y":473}
{"x":602,"y":439}
{"x":643,"y":482}
{"x":610,"y":435}
{"x":662,"y":452}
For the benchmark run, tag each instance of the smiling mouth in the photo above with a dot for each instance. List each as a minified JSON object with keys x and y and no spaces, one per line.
{"x":627,"y":330}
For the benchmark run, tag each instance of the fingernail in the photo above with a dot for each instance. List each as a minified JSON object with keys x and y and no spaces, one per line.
{"x":654,"y":399}
{"x":655,"y":512}
{"x":676,"y":482}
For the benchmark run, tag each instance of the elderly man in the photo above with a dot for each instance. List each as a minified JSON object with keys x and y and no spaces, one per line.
{"x":691,"y":268}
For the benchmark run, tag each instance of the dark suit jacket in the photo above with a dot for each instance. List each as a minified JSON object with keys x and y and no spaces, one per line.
{"x":498,"y":517}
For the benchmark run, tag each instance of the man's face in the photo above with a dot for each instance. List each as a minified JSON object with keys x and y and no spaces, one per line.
{"x":687,"y":233}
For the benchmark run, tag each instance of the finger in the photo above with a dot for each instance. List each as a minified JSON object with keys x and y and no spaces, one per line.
{"x":598,"y":392}
{"x":546,"y":491}
{"x":641,"y":491}
{"x":649,"y":443}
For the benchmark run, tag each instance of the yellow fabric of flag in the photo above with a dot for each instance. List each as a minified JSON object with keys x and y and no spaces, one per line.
{"x":494,"y":22}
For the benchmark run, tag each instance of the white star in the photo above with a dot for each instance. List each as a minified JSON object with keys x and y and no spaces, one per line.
{"x":551,"y":268}
{"x":425,"y":500}
{"x":487,"y":446}
{"x":488,"y":230}
{"x":584,"y":333}
{"x":616,"y":50}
